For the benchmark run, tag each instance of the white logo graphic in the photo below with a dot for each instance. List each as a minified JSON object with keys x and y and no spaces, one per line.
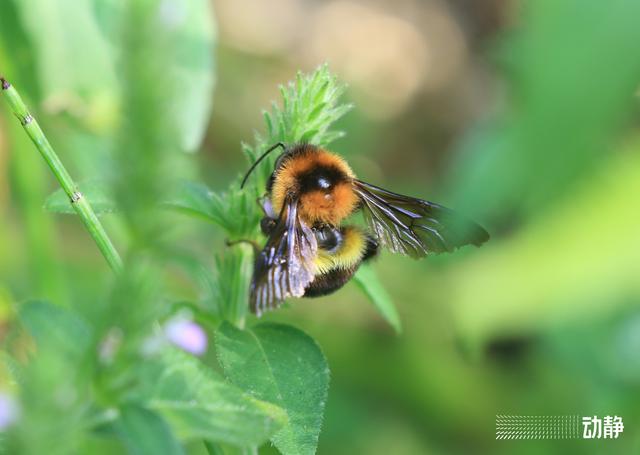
{"x":606,"y":428}
{"x":558,"y":427}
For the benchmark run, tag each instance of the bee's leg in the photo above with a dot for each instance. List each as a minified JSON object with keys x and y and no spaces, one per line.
{"x":256,"y":247}
{"x":270,"y":219}
{"x":267,"y":225}
{"x":329,"y":238}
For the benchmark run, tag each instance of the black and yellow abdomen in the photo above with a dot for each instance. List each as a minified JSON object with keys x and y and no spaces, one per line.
{"x":335,"y":268}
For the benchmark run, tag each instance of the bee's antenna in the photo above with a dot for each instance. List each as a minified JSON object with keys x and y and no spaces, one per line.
{"x":253,"y":166}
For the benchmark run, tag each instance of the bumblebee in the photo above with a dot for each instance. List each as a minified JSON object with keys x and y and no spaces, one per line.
{"x":311,"y":252}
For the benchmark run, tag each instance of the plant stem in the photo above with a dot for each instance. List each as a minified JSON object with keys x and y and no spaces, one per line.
{"x":78,"y":201}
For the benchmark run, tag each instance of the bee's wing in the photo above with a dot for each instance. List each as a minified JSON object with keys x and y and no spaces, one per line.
{"x":415,"y":227}
{"x":285,"y":267}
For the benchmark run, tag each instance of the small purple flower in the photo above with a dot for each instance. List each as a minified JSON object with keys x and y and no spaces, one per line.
{"x":187,"y":335}
{"x":9,"y":411}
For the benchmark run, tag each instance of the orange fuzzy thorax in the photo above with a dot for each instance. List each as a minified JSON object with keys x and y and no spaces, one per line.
{"x":329,"y":205}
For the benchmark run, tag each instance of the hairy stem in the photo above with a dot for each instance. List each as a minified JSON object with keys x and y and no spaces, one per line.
{"x":78,"y":201}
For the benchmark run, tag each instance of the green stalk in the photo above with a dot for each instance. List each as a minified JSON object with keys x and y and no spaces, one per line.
{"x":78,"y":201}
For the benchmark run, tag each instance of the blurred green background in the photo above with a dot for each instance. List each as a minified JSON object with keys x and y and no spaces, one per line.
{"x":522,"y":115}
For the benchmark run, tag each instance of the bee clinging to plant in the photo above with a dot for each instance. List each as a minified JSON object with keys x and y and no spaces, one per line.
{"x":309,"y":252}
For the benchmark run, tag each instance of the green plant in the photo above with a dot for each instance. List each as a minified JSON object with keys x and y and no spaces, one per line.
{"x":150,"y":396}
{"x":79,"y":203}
{"x":310,"y":107}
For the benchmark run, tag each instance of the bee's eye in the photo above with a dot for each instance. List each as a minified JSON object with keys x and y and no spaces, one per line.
{"x":318,"y":178}
{"x":324,"y":183}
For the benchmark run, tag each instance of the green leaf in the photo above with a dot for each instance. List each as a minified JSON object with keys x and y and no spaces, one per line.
{"x":97,"y":193}
{"x":54,"y":393}
{"x":220,"y":449}
{"x":143,"y":432}
{"x":213,"y":449}
{"x":282,"y":365}
{"x":197,"y":200}
{"x":199,"y":404}
{"x":16,"y":41}
{"x":368,"y":282}
{"x":565,"y":106}
{"x":195,"y":42}
{"x":188,"y":37}
{"x":75,"y":69}
{"x":551,"y":268}
{"x":194,"y":198}
{"x":55,"y":328}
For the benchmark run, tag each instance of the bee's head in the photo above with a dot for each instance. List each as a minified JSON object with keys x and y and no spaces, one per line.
{"x":287,"y":153}
{"x":319,"y":180}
